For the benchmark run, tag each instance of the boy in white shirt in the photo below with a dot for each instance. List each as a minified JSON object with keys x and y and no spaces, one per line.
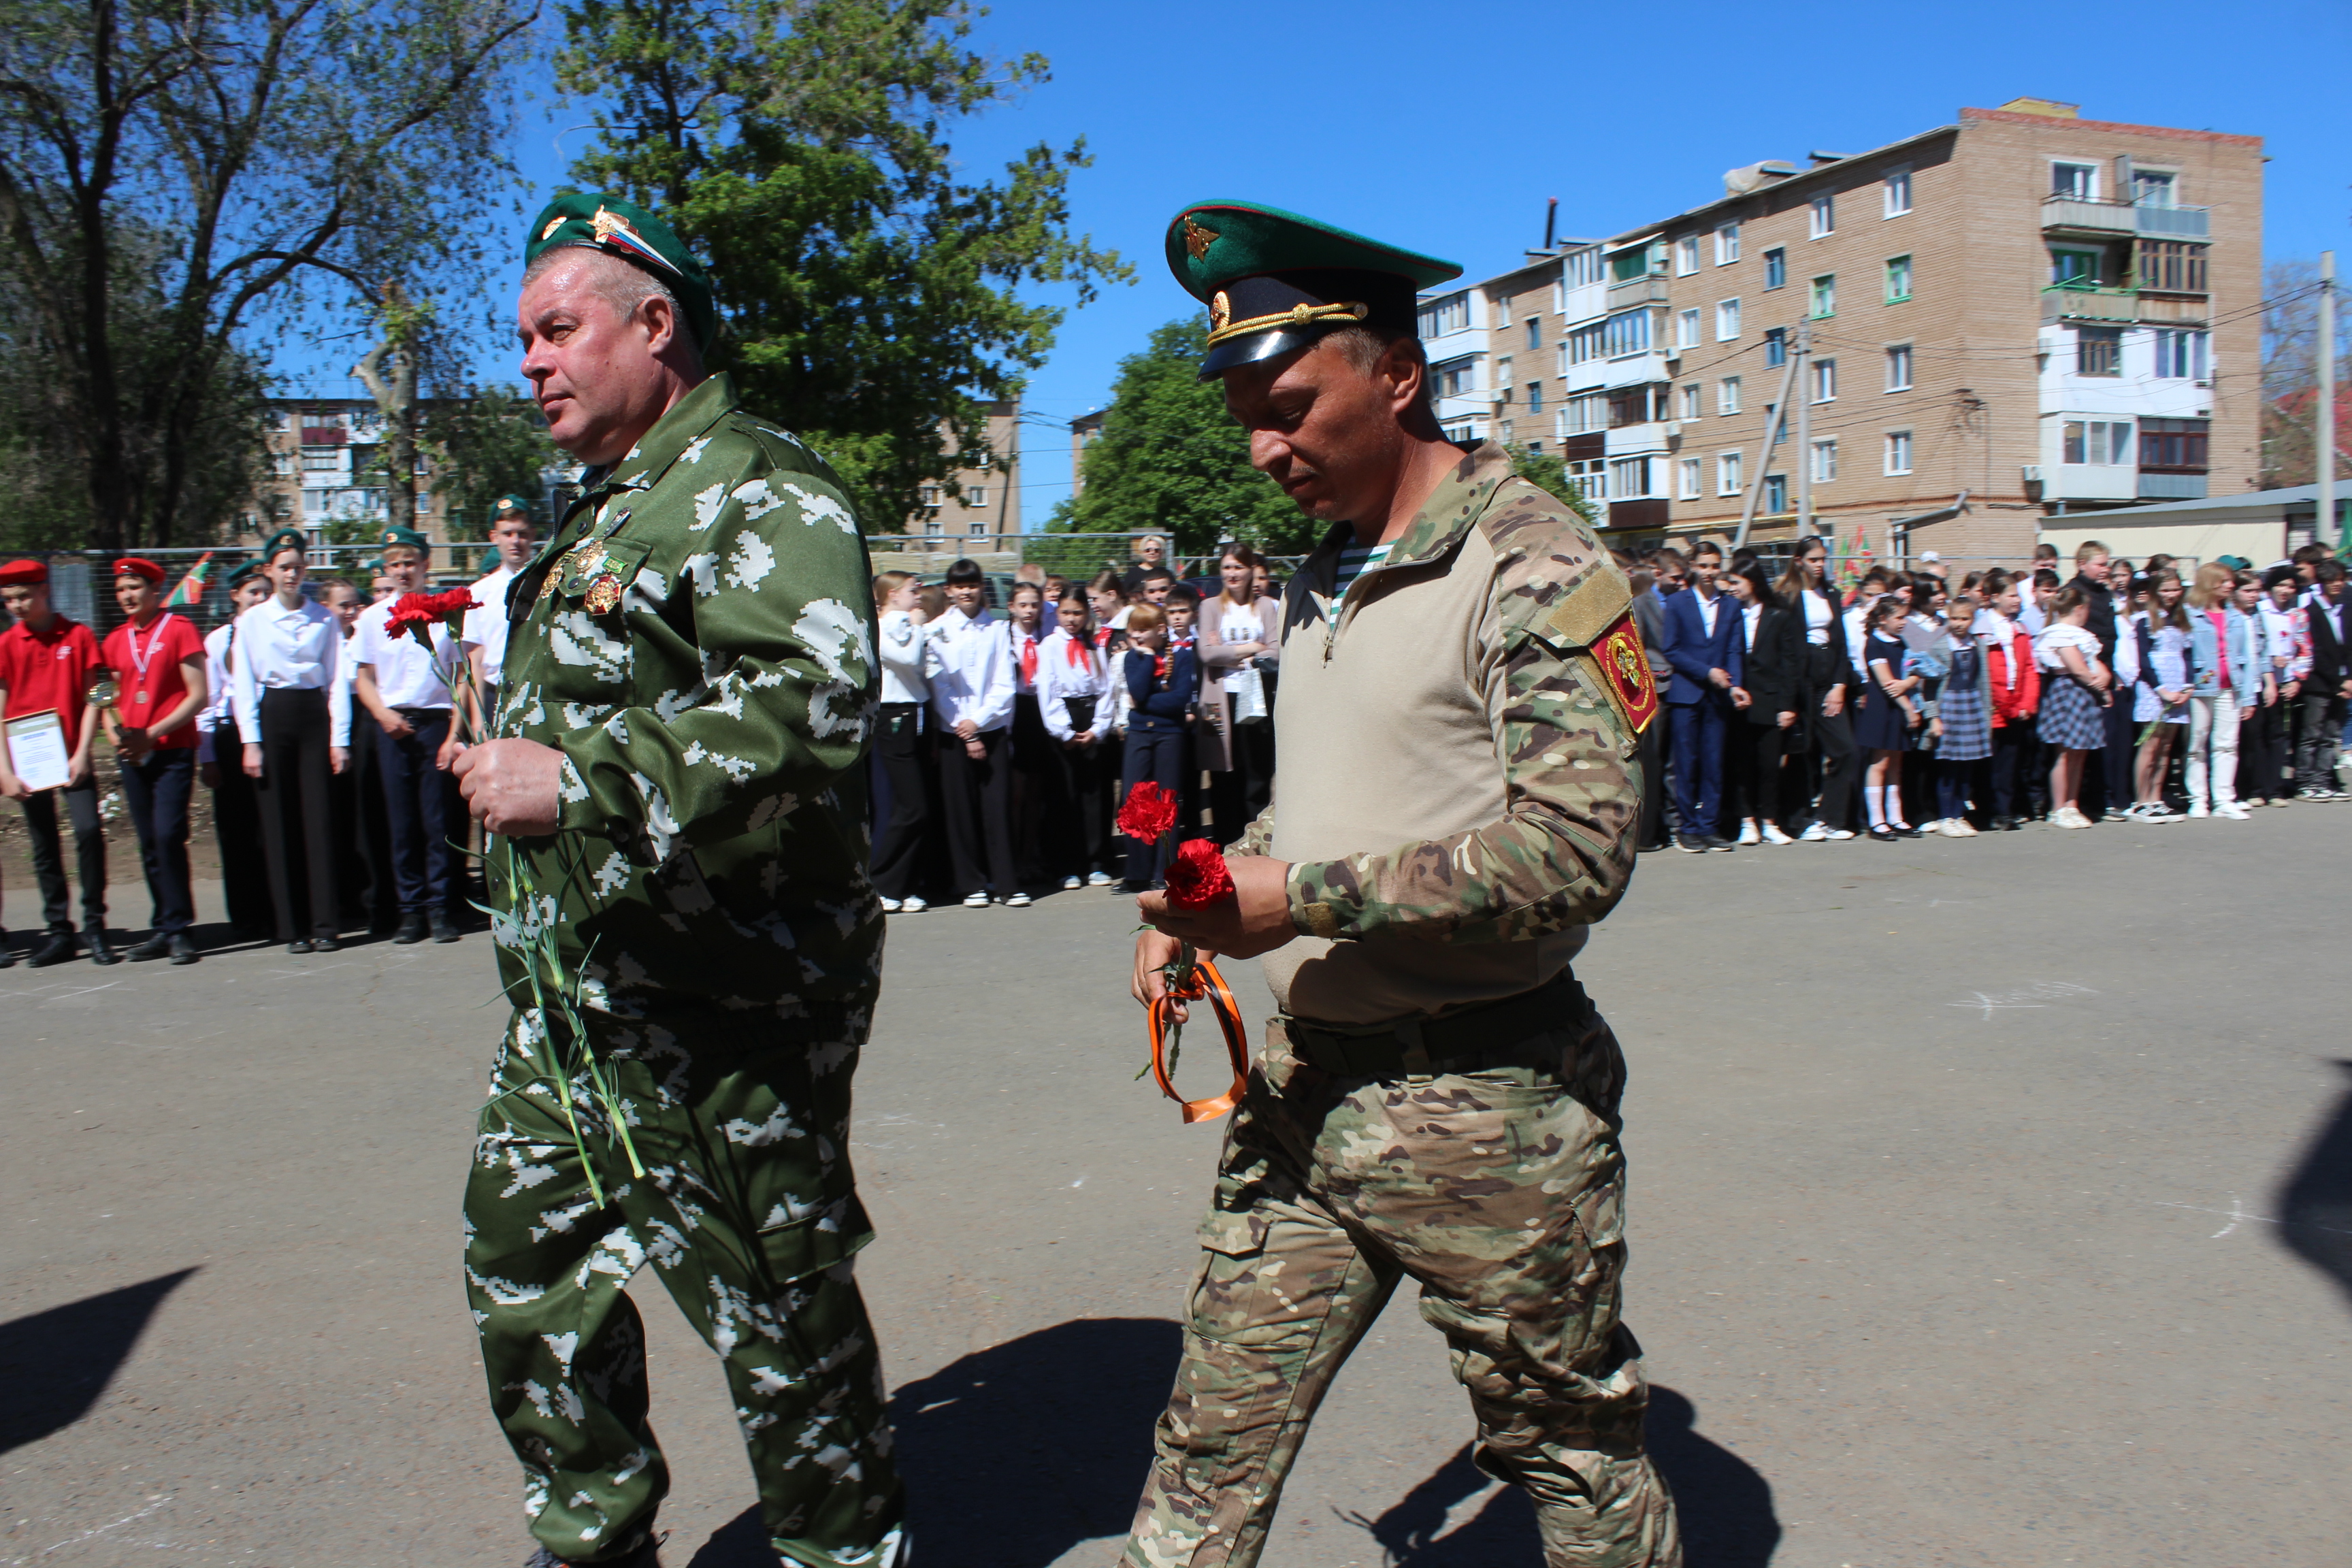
{"x":969,"y":664}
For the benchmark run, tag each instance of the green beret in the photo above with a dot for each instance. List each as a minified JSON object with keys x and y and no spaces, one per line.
{"x":244,"y":572}
{"x":284,"y":539}
{"x":617,"y":227}
{"x":510,"y":503}
{"x":400,"y":534}
{"x":1275,"y":281}
{"x":374,"y":567}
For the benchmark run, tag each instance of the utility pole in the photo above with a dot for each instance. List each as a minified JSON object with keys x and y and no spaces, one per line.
{"x":1799,"y":360}
{"x":1775,"y":419}
{"x":2324,"y":441}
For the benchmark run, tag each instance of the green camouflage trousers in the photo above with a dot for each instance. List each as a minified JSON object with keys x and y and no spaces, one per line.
{"x":748,"y":1213}
{"x":1501,"y":1192}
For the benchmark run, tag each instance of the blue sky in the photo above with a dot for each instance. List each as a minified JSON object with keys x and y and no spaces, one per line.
{"x":1446,"y":128}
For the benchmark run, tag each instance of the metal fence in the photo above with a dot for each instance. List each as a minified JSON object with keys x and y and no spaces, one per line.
{"x":81,"y":586}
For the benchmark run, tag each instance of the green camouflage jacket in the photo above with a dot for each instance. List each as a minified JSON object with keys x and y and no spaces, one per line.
{"x":1466,"y":767}
{"x":700,"y":649}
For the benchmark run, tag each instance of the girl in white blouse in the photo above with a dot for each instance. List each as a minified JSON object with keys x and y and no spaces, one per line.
{"x":294,"y":715}
{"x":1078,"y":702}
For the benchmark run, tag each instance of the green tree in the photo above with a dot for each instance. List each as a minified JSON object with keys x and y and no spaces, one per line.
{"x":798,"y":145}
{"x":486,"y":444}
{"x":289,"y":145}
{"x":1170,"y":458}
{"x":1550,"y":473}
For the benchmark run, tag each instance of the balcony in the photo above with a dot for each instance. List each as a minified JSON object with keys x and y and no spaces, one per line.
{"x":2175,"y":310}
{"x":2173,"y":487}
{"x":1650,"y":290}
{"x":2072,"y":215}
{"x":2086,"y":303}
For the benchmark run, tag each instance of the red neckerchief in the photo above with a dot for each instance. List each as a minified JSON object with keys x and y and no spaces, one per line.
{"x":1028,"y":659}
{"x":1080,"y":653}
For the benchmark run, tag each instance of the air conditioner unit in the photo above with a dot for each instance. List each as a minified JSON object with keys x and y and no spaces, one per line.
{"x":1674,"y":429}
{"x":2031,"y":472}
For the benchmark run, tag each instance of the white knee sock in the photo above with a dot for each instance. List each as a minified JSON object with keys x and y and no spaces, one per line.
{"x":1872,"y":795}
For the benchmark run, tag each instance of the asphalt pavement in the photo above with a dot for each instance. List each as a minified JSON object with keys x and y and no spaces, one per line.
{"x":1992,"y":1204}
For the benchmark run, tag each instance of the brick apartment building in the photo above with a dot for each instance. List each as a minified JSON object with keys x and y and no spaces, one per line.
{"x":990,"y":499}
{"x":2021,"y":315}
{"x":320,"y":450}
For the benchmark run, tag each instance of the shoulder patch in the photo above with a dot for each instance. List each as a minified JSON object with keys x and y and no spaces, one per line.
{"x":1588,"y":611}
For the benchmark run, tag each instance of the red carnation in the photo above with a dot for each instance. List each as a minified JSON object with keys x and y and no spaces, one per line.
{"x":1199,"y":876}
{"x":1149,"y":812}
{"x":416,"y":614}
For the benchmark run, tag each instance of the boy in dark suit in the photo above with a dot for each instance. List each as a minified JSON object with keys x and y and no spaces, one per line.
{"x":1703,"y":646}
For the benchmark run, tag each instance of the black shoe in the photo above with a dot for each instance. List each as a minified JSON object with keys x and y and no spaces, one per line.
{"x":183,"y":948}
{"x":325,"y":944}
{"x":1719,"y":844}
{"x":412,"y":928}
{"x":444,"y":929}
{"x":1693,"y":844}
{"x":56,"y":948}
{"x":298,"y":947}
{"x":100,"y":950}
{"x":1653,"y":849}
{"x":8,"y":953}
{"x":1882,"y":836}
{"x":1904,"y":830}
{"x":156,"y":946}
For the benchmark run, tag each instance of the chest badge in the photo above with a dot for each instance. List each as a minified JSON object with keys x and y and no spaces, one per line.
{"x":603,"y":595}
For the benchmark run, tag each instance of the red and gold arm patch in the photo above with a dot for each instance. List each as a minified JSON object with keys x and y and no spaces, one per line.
{"x":1625,"y":671}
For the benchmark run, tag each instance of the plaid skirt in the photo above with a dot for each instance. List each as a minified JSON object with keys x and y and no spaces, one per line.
{"x":2071,"y":717}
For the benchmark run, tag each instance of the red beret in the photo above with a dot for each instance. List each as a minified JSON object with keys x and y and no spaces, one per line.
{"x":23,"y":571}
{"x":137,"y":566}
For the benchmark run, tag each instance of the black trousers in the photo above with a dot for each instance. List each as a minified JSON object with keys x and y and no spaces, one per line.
{"x":236,"y":826}
{"x":977,"y":793}
{"x":2016,"y":761}
{"x":363,"y":832}
{"x":1037,"y":796}
{"x":297,"y":814}
{"x":416,"y":804}
{"x":48,"y":858}
{"x":1652,"y":757}
{"x":2322,"y":737}
{"x":1161,"y":756}
{"x":1837,"y":762}
{"x":899,"y":744}
{"x":1753,"y":752}
{"x":155,"y":791}
{"x":2122,"y":755}
{"x":1240,"y":793}
{"x":1089,"y":774}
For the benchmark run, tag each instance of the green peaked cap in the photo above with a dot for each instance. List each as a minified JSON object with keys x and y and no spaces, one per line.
{"x":1275,"y":281}
{"x":596,"y":220}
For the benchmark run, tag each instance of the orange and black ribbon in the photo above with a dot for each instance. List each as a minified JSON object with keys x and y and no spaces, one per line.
{"x":1203,"y":983}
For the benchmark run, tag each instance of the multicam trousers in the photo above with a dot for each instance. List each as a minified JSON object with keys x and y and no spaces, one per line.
{"x":1500,"y":1190}
{"x":748,"y":1213}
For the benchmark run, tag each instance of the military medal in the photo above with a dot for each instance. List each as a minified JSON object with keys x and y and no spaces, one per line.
{"x":603,"y":595}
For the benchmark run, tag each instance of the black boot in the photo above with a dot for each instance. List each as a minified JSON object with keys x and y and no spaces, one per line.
{"x":183,"y":948}
{"x":156,"y":946}
{"x":444,"y":929}
{"x":56,"y":948}
{"x":100,"y":949}
{"x":8,"y":953}
{"x":412,"y":928}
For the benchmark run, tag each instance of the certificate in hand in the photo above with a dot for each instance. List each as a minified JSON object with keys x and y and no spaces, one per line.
{"x":37,"y":750}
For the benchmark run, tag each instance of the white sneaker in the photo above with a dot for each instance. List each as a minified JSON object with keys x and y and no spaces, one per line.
{"x":2198,"y":809}
{"x":2234,"y":811}
{"x":1958,"y":827}
{"x":911,"y":906}
{"x":1070,"y":883}
{"x":1815,"y":833}
{"x":1097,"y":878}
{"x":891,"y":906}
{"x":1747,"y":832}
{"x":976,"y":900}
{"x":1773,"y":834}
{"x":1017,"y":901}
{"x":1837,"y":834}
{"x":2068,"y":816}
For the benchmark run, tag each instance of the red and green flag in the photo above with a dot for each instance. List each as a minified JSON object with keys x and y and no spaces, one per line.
{"x":190,"y":591}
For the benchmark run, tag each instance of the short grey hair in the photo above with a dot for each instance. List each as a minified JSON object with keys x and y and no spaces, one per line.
{"x":620,"y":284}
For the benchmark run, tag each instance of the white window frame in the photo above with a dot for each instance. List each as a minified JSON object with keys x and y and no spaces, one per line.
{"x":1686,"y":255}
{"x":1694,"y":398}
{"x":1464,"y":365}
{"x":1726,"y":245}
{"x":1909,"y":271}
{"x":1686,"y":329}
{"x":1727,"y":321}
{"x":1585,"y":411}
{"x":2170,"y":343}
{"x":1898,"y":367}
{"x":1896,"y":192}
{"x":2089,"y":165}
{"x":1686,"y":479}
{"x":2097,"y":440}
{"x":1822,"y":219}
{"x":1448,"y":313}
{"x":1580,"y":267}
{"x":1824,"y":461}
{"x":1727,"y":473}
{"x":1824,"y":387}
{"x":1533,"y":327}
{"x":1899,"y":453}
{"x":1622,"y":468}
{"x":1726,"y":396}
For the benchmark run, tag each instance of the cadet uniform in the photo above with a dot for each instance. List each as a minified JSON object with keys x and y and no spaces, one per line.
{"x":697,"y":640}
{"x":1437,"y":1098}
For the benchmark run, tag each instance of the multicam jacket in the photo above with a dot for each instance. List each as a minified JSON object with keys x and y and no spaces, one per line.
{"x":700,"y":645}
{"x":1457,"y":755}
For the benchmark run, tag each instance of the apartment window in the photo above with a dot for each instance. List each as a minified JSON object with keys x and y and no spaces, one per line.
{"x":1774,"y":422}
{"x":1899,"y":451}
{"x":2173,"y":445}
{"x":1726,"y":396}
{"x":975,"y":494}
{"x":423,"y":502}
{"x":2081,"y":268}
{"x":1535,"y":449}
{"x":1456,"y":376}
{"x":1898,"y":367}
{"x":1534,"y":332}
{"x":1825,"y":381}
{"x":1636,"y":405}
{"x":281,"y":464}
{"x":1503,"y":375}
{"x":1686,"y":255}
{"x":2152,"y":187}
{"x":2099,"y":350}
{"x":2077,"y":180}
{"x":1589,"y":478}
{"x":1898,"y":279}
{"x":1534,"y":397}
{"x":1826,"y":296}
{"x":1692,"y":398}
{"x":1726,"y":474}
{"x":1896,"y":193}
{"x":1686,"y":479}
{"x":2172,"y":266}
{"x":1726,"y":245}
{"x":1776,"y":269}
{"x":1776,"y":347}
{"x":1824,"y":217}
{"x":1687,"y":330}
{"x":1626,"y":333}
{"x":1630,"y":264}
{"x":1502,"y":310}
{"x":327,"y":462}
{"x":1629,"y":479}
{"x":1450,"y":314}
{"x":1825,"y":461}
{"x":1584,"y":344}
{"x":1776,"y":494}
{"x":929,"y":495}
{"x":2102,"y":441}
{"x":1587,"y":411}
{"x":2180,"y":355}
{"x":1727,"y":321}
{"x":1580,"y":267}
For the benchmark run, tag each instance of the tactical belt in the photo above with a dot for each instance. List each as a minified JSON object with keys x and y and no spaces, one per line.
{"x":1459,"y":1042}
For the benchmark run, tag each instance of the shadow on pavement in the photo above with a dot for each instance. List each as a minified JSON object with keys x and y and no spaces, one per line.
{"x":1723,"y":1505}
{"x":54,"y":1364}
{"x":2315,"y":1205}
{"x":1016,"y":1454}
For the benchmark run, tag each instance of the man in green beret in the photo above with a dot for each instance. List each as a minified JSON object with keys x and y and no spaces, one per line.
{"x":1437,"y":1098}
{"x":683,"y":923}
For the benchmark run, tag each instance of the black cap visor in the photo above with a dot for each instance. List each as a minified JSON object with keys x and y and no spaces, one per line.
{"x":1259,"y":346}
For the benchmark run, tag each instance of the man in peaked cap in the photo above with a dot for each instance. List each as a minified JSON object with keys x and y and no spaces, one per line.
{"x":677,"y":782}
{"x":1437,"y":1098}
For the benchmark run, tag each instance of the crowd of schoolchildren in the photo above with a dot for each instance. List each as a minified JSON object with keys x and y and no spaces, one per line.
{"x":1008,"y":736}
{"x":2162,"y":693}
